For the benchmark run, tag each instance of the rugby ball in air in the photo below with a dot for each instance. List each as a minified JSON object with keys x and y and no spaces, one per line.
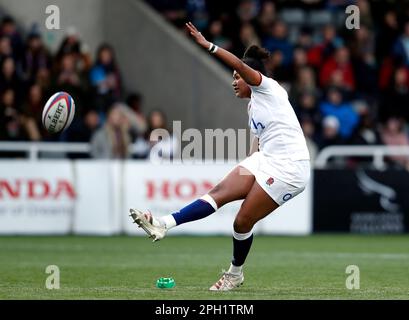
{"x":58,"y":112}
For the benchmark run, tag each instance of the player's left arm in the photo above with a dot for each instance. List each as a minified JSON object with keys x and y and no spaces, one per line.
{"x":249,"y":75}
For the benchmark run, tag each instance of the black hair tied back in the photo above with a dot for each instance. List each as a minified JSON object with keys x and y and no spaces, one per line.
{"x":255,"y":56}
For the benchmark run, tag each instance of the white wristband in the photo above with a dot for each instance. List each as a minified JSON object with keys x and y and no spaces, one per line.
{"x":213,"y":48}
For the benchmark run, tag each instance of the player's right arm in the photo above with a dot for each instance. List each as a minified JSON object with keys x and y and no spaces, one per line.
{"x":249,"y":75}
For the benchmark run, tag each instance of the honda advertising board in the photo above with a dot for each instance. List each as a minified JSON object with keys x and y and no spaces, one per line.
{"x":166,"y":188}
{"x":94,"y":197}
{"x":36,"y":197}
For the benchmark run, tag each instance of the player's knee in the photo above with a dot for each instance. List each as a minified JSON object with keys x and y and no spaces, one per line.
{"x":215,"y":190}
{"x":242,"y":224}
{"x":217,"y":194}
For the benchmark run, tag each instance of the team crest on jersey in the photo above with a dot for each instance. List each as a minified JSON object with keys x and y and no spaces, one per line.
{"x":270,"y":181}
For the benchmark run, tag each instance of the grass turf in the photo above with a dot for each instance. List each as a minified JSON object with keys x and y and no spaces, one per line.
{"x":311,"y":267}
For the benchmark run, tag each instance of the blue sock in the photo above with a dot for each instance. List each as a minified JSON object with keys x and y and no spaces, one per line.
{"x":241,"y":248}
{"x":198,"y":209}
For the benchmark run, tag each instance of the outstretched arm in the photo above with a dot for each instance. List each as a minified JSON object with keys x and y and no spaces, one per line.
{"x":251,"y":76}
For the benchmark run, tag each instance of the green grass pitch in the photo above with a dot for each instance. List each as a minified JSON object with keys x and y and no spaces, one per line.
{"x":311,"y":267}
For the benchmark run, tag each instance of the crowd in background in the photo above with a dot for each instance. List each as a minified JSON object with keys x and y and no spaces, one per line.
{"x":346,"y":86}
{"x":106,"y":116}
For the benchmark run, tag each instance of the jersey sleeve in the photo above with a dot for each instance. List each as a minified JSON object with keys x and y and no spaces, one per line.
{"x":264,"y":86}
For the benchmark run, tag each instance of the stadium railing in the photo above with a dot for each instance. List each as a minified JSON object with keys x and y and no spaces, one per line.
{"x":58,"y":149}
{"x":34,"y":148}
{"x":377,"y":152}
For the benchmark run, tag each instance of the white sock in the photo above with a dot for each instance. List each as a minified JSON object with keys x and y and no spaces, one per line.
{"x":235,"y":270}
{"x":168,"y":221}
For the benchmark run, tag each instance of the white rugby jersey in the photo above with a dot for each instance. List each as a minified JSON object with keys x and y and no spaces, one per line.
{"x":273,"y":120}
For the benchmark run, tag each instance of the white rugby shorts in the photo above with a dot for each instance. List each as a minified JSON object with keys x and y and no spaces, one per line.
{"x":281,"y":180}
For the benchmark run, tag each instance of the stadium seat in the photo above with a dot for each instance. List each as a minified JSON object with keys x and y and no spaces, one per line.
{"x":318,"y":18}
{"x":293,"y":16}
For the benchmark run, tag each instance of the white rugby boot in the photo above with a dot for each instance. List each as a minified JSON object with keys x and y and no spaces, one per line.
{"x":152,"y":226}
{"x":228,"y":281}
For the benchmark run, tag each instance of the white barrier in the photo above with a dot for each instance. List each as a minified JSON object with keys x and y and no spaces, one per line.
{"x":167,"y":188}
{"x":36,"y":198}
{"x":93,"y":197}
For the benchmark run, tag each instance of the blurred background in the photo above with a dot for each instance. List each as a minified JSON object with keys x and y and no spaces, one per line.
{"x":131,"y":68}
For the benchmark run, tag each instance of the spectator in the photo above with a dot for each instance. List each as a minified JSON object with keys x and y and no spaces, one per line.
{"x":366,"y":132}
{"x":134,"y":101}
{"x":393,"y":134}
{"x":14,"y":126}
{"x":299,"y":62}
{"x":72,"y":45}
{"x":43,"y":78}
{"x":362,"y":48}
{"x":70,"y":79}
{"x":83,"y":130}
{"x":309,"y":129}
{"x":304,"y":83}
{"x":8,"y":28}
{"x":338,"y":70}
{"x":113,"y":140}
{"x":277,"y":41}
{"x":5,"y":49}
{"x":305,"y":40}
{"x":248,"y":37}
{"x":217,"y":36}
{"x":141,"y":145}
{"x":247,"y":10}
{"x":68,"y":75}
{"x":197,"y":13}
{"x":395,"y":102}
{"x":307,"y":106}
{"x":105,"y":78}
{"x":35,"y":57}
{"x":9,"y":78}
{"x":266,"y":18}
{"x":34,"y":104}
{"x":387,"y":35}
{"x":365,"y":15}
{"x":400,"y":48}
{"x":344,"y":112}
{"x":276,"y":69}
{"x":163,"y":144}
{"x":330,"y":132}
{"x":319,"y":53}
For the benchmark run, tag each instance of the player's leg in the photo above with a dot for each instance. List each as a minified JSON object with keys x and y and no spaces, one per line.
{"x":235,"y":186}
{"x":257,"y":205}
